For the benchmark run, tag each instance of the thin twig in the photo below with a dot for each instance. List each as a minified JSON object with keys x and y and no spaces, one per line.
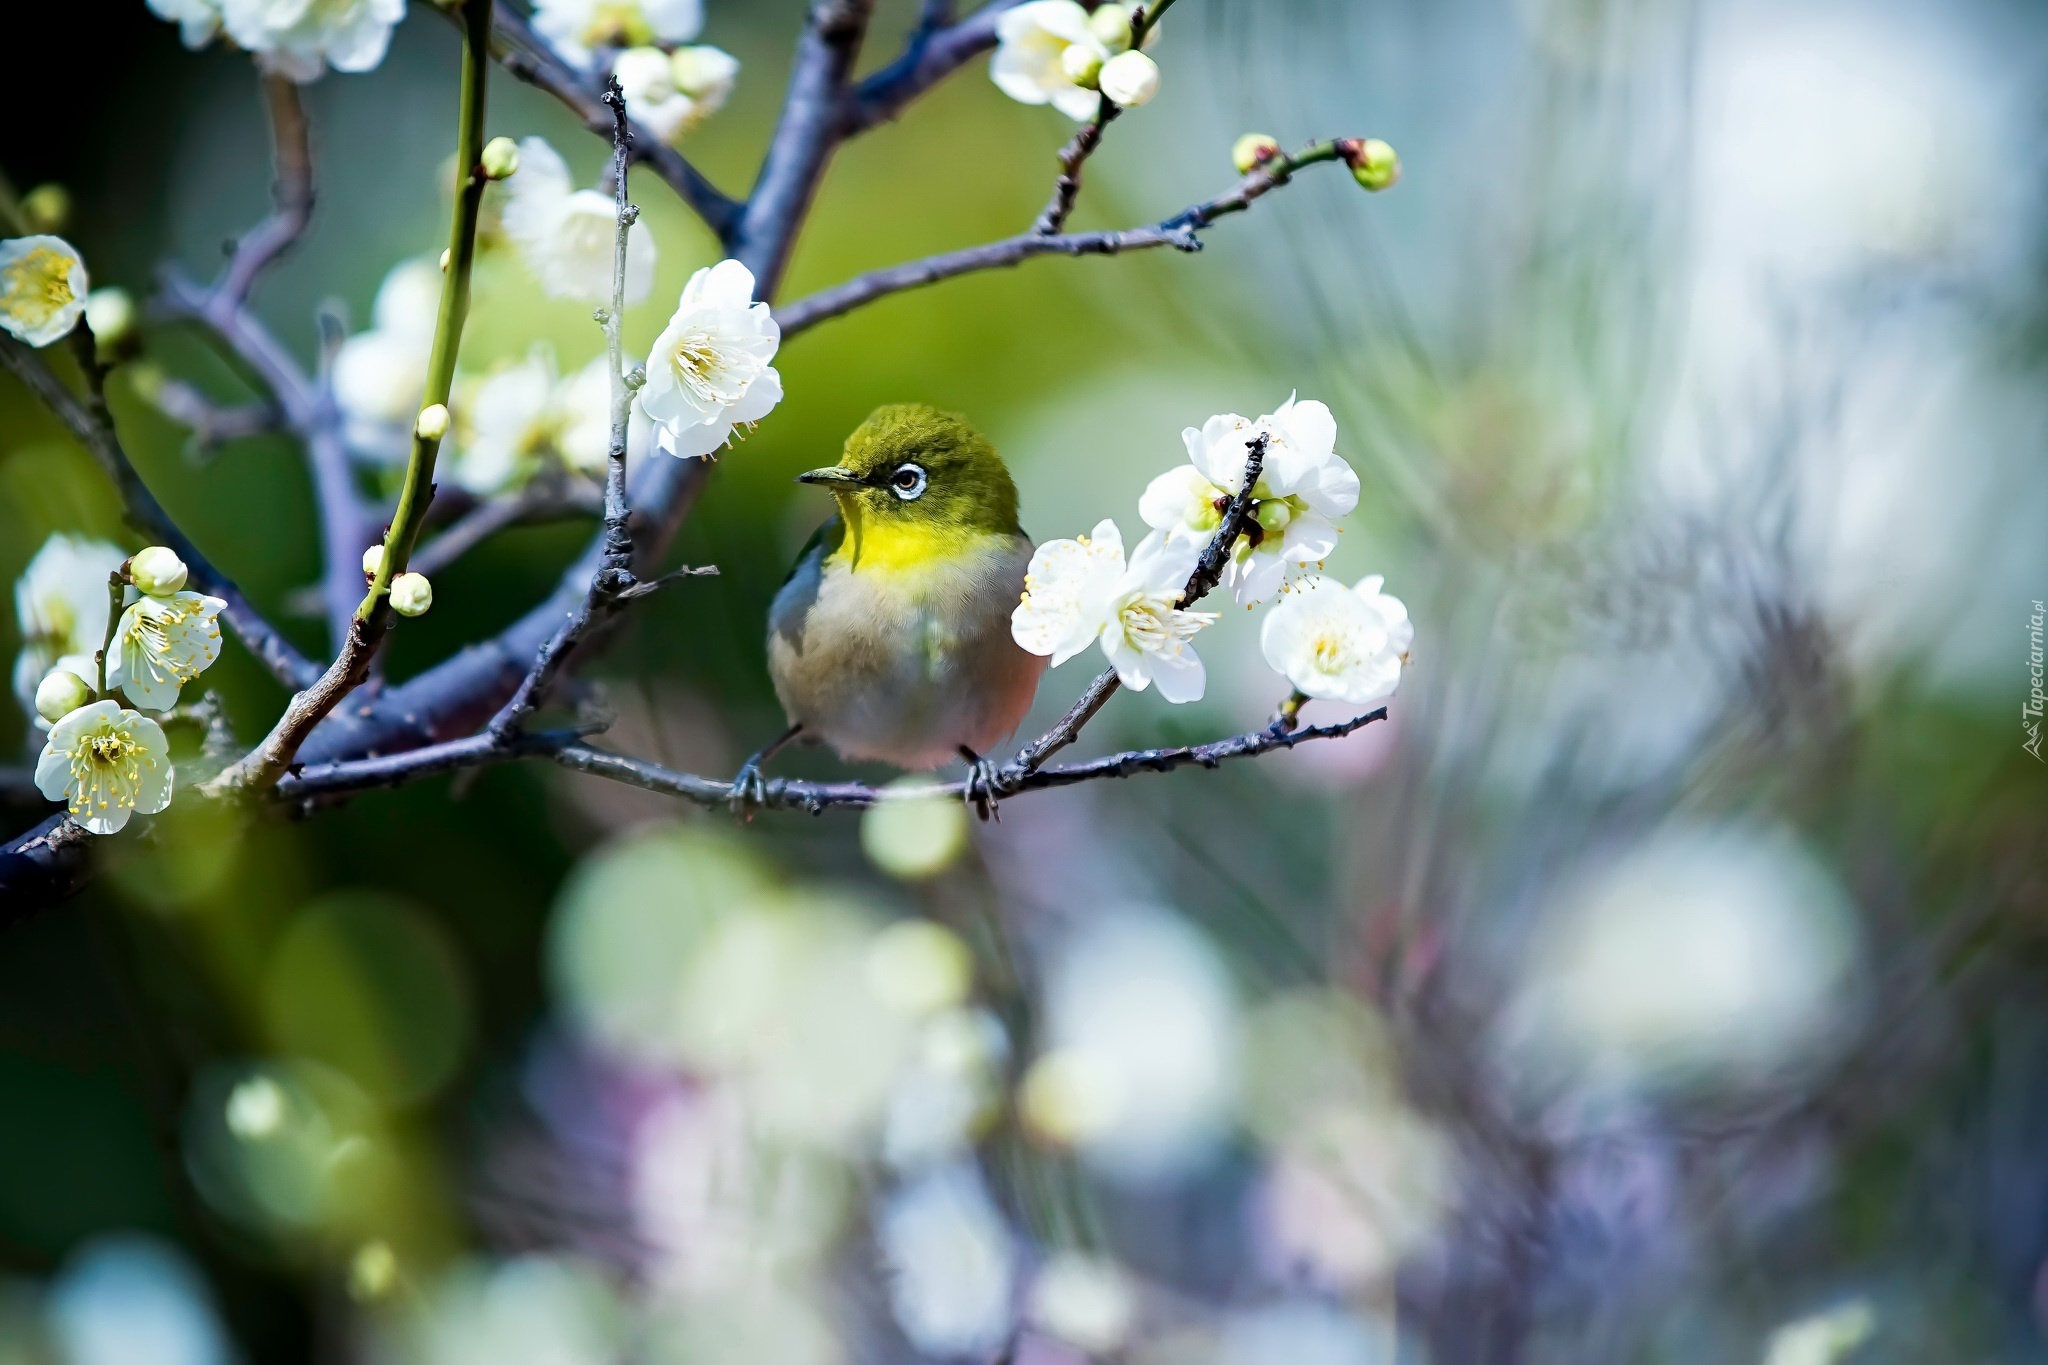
{"x":530,"y":57}
{"x":213,"y":424}
{"x":315,"y":781}
{"x":931,"y":55}
{"x":614,"y":576}
{"x":267,"y":762}
{"x":1180,"y":232}
{"x":147,"y":515}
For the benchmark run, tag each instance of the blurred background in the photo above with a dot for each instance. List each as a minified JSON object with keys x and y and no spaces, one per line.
{"x":1663,"y":982}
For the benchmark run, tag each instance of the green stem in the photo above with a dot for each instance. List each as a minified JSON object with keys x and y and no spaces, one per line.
{"x":116,"y":581}
{"x":418,"y":490}
{"x":1148,"y":20}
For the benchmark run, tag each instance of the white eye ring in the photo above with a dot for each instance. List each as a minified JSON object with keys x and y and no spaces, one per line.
{"x":908,"y":482}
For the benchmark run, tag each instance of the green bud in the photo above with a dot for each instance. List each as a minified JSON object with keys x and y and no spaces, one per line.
{"x":1130,"y":79}
{"x":1082,"y":65}
{"x":1273,"y":516}
{"x":411,"y":594}
{"x":1111,"y":25}
{"x":61,"y":693}
{"x":157,"y":571}
{"x":1373,"y":163}
{"x":501,"y":158}
{"x":373,"y":560}
{"x":1252,"y":151}
{"x":432,"y":423}
{"x":111,"y":314}
{"x":47,"y":208}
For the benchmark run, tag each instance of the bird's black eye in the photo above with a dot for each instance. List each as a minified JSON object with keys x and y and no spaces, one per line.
{"x":907,"y":482}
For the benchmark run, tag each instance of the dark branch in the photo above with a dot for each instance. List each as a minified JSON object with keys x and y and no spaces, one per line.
{"x":810,"y":129}
{"x":147,"y":515}
{"x":293,"y":157}
{"x":540,"y":500}
{"x":932,"y":54}
{"x":1180,"y":232}
{"x":534,"y":60}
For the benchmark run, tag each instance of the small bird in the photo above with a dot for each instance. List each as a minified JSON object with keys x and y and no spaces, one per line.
{"x":890,"y":639}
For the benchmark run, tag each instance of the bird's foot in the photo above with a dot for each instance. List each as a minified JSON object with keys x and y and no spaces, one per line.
{"x":984,"y":785}
{"x":749,"y":790}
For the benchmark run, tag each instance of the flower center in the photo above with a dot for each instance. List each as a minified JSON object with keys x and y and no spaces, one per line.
{"x":152,"y":633}
{"x":1332,"y":652}
{"x":699,"y":369}
{"x":617,"y":23}
{"x":1155,"y":625}
{"x":38,"y":286}
{"x":106,"y":767}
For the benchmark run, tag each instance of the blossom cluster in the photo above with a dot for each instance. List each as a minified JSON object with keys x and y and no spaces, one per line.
{"x":107,"y":761}
{"x":295,"y":38}
{"x":1054,"y":52}
{"x":1329,"y":641}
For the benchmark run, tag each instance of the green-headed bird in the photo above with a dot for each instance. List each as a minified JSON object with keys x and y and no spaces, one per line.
{"x":890,"y":639}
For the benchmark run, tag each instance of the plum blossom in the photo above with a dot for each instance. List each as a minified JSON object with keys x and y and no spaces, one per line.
{"x":380,"y":375}
{"x":60,"y":604}
{"x":197,"y":20}
{"x":584,"y":438}
{"x":1303,"y":487}
{"x":673,"y":94}
{"x":106,"y":763}
{"x":577,"y":27}
{"x":43,"y":286}
{"x":565,"y":235}
{"x":1078,"y":592}
{"x":161,"y":644}
{"x":710,"y":368}
{"x":300,"y":38}
{"x":1030,"y":64}
{"x":509,"y":421}
{"x":1339,"y":643}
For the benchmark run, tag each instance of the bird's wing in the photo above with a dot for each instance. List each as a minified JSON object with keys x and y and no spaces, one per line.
{"x":818,"y":548}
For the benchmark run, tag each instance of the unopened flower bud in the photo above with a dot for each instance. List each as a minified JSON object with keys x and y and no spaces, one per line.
{"x":110,"y":312}
{"x":445,"y":258}
{"x":157,"y":571}
{"x":1111,"y":25}
{"x":501,"y":158}
{"x":1252,"y":151}
{"x":47,"y":208}
{"x":61,"y":693}
{"x":1373,"y":163}
{"x":411,"y":594}
{"x":1273,"y":516}
{"x":373,"y":562}
{"x":1082,"y":65}
{"x":1130,"y":79}
{"x":432,"y":423}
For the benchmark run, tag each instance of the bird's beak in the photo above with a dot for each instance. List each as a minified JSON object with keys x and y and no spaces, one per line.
{"x":832,"y":476}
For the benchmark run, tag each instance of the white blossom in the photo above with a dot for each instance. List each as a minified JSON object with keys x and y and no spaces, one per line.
{"x":672,"y":95}
{"x":710,"y":368}
{"x":380,"y":375}
{"x":43,"y":285}
{"x":1077,"y":592}
{"x":161,"y":644}
{"x":566,"y":235}
{"x":509,"y":422}
{"x":197,"y":20}
{"x":60,"y":605}
{"x":1129,"y":79}
{"x":106,"y":763}
{"x":584,"y":440}
{"x":1030,"y":61}
{"x":1303,"y":487}
{"x":299,"y":38}
{"x":1344,"y":644}
{"x":575,"y":27}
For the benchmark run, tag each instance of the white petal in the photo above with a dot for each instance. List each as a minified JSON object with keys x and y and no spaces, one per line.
{"x":1218,"y":449}
{"x":1133,"y":666}
{"x":1161,"y":564}
{"x":693,"y":442}
{"x":1309,"y":539}
{"x":760,"y":398}
{"x":1068,"y":586}
{"x":1180,"y":675}
{"x":1077,"y":104}
{"x":53,"y":767}
{"x":727,"y":284}
{"x":1172,"y":501}
{"x":1256,"y":576}
{"x":674,"y":21}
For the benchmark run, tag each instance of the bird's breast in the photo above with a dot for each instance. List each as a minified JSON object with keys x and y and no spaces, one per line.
{"x":902,"y":661}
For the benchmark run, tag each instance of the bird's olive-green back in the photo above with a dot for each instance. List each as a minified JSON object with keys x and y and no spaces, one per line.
{"x":967,"y":486}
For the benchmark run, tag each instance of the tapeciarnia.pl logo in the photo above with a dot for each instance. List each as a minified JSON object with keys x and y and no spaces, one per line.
{"x":2030,"y":710}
